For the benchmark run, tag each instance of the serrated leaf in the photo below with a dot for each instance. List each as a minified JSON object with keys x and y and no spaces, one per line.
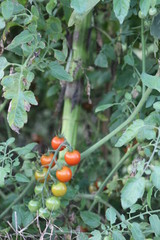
{"x":155,"y":177}
{"x":7,"y":9}
{"x":21,"y":178}
{"x":145,"y":6}
{"x":24,"y":37}
{"x":26,"y":149}
{"x":58,"y":72}
{"x":90,"y":219}
{"x":155,"y":224}
{"x":3,"y":174}
{"x":121,"y":8}
{"x":14,"y":90}
{"x":132,"y":191}
{"x":3,"y":63}
{"x":150,"y":81}
{"x":130,"y":132}
{"x":117,"y":235}
{"x":10,"y":141}
{"x":137,"y":232}
{"x":111,"y":215}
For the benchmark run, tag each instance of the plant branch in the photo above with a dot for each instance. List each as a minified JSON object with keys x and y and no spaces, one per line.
{"x":118,"y":129}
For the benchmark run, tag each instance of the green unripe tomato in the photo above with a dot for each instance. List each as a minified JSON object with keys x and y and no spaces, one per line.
{"x":52,"y":203}
{"x":152,"y":11}
{"x":38,"y":189}
{"x":141,"y":15}
{"x":148,"y":185}
{"x":33,"y":206}
{"x":44,"y":213}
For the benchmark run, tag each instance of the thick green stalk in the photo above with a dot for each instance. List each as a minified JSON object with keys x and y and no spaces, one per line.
{"x":118,"y":129}
{"x":71,"y":114}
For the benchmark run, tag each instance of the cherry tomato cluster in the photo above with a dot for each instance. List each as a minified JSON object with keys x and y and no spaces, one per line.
{"x":63,"y":175}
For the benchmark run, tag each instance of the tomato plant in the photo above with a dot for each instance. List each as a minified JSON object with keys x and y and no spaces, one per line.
{"x":64,"y":174}
{"x":72,"y":158}
{"x":59,"y":189}
{"x":43,"y":213}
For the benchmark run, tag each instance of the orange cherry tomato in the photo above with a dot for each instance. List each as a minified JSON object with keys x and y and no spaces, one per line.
{"x":56,"y":142}
{"x":40,"y":176}
{"x":72,"y":158}
{"x":46,"y":160}
{"x":64,"y":175}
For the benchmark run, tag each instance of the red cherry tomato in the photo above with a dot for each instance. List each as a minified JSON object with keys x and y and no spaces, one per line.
{"x":72,"y":158}
{"x":64,"y":175}
{"x":46,"y":160}
{"x":56,"y":142}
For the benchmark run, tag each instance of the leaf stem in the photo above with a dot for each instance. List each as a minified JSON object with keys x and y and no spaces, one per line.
{"x":143,"y":52}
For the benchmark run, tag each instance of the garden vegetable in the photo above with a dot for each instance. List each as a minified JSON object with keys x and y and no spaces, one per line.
{"x":40,"y":176}
{"x":46,"y":160}
{"x":33,"y":206}
{"x":56,"y":142}
{"x":64,"y":175}
{"x":59,"y":189}
{"x":72,"y":158}
{"x":52,"y":203}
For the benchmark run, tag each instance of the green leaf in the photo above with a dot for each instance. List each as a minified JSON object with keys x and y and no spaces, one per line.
{"x":117,"y":235}
{"x":155,"y":224}
{"x":3,"y":174}
{"x":27,"y":218}
{"x":3,"y":63}
{"x":59,"y":55}
{"x":130,"y":132}
{"x":96,"y":235}
{"x":14,"y":90}
{"x":104,"y":107}
{"x":90,"y":219}
{"x":7,"y":9}
{"x":111,"y":215}
{"x":21,"y":178}
{"x":149,"y":197}
{"x":156,"y":106}
{"x":26,"y":149}
{"x":2,"y":23}
{"x":101,"y":60}
{"x":121,"y":8}
{"x":10,"y":141}
{"x":50,"y":6}
{"x":145,"y":6}
{"x":155,"y":27}
{"x":136,"y":232}
{"x":58,"y":72}
{"x":81,"y":9}
{"x":132,"y":191}
{"x":82,"y":236}
{"x":23,"y":37}
{"x":151,"y":81}
{"x":155,"y":177}
{"x":146,"y":132}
